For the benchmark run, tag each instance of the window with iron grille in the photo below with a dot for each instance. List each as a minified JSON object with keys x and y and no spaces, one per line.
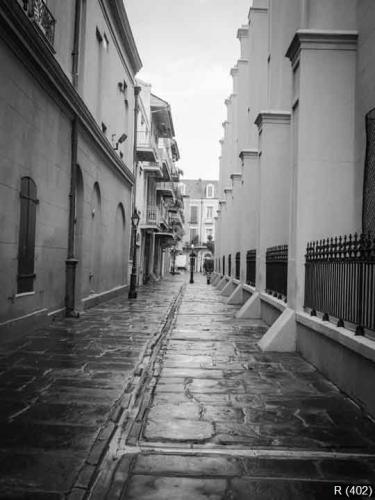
{"x":238,"y":266}
{"x":26,"y":237}
{"x":229,"y":264}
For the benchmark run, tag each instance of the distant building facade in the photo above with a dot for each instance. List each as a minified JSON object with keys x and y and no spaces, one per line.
{"x":158,"y":199}
{"x":297,"y":184}
{"x":67,"y":164}
{"x":200,"y":206}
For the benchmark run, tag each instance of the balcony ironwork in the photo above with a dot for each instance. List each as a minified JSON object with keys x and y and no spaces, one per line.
{"x":152,"y":215}
{"x":166,"y":189}
{"x":339,"y":280}
{"x":251,"y":267}
{"x":176,"y":218}
{"x":39,"y":13}
{"x":277,"y":271}
{"x":146,"y":146}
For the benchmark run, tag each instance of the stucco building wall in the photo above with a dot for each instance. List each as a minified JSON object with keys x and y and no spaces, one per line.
{"x":34,"y":133}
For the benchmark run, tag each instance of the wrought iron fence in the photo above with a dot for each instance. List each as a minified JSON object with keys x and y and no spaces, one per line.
{"x":277,"y":271}
{"x":38,"y":12}
{"x":237,"y":268}
{"x":250,"y":266}
{"x":339,"y":280}
{"x":229,"y":264}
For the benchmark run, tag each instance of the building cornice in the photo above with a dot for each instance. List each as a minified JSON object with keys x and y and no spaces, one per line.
{"x":256,"y":10}
{"x":248,"y":153}
{"x":272,"y":117}
{"x":235,"y":177}
{"x":228,"y":193}
{"x":234,"y":71}
{"x":242,"y":32}
{"x":119,"y":20}
{"x":307,"y":39}
{"x":242,"y":61}
{"x":20,"y":35}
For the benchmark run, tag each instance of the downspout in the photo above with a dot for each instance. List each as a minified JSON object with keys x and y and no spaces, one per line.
{"x":71,"y":261}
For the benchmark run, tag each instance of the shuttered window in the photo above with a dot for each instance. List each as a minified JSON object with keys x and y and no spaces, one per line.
{"x":193,"y":214}
{"x":26,"y":239}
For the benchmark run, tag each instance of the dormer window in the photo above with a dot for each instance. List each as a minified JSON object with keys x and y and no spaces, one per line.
{"x":209,"y":191}
{"x":182,"y":188}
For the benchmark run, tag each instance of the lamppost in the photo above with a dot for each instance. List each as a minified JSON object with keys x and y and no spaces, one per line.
{"x":192,"y":261}
{"x":133,"y":277}
{"x":174,"y":259}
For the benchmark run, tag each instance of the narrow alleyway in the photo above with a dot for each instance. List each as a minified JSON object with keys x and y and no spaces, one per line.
{"x":220,"y":420}
{"x":168,"y":397}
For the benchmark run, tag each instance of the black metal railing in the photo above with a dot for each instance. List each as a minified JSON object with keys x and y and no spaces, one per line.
{"x":237,"y":269}
{"x":277,"y":271}
{"x":339,"y":280}
{"x":251,"y":266}
{"x":229,"y":264}
{"x":38,"y":12}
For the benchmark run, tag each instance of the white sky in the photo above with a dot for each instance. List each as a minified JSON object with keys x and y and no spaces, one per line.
{"x":188,"y":48}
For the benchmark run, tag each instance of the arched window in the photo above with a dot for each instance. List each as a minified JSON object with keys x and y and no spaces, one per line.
{"x":209,"y":191}
{"x":26,"y":238}
{"x":96,"y":239}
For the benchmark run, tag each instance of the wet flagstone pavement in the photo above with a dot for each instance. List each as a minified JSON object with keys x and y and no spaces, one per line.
{"x":63,"y":387}
{"x":122,"y":406}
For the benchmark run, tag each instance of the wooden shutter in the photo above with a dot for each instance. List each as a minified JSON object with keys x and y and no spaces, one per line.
{"x":26,"y":240}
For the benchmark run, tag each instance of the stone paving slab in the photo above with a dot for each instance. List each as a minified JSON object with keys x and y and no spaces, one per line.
{"x":215,"y":400}
{"x":59,"y":386}
{"x":282,"y":388}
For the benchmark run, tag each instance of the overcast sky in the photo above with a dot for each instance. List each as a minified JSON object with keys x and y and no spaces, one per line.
{"x":187,"y":48}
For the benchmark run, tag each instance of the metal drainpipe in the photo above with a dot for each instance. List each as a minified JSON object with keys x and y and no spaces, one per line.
{"x":71,"y":261}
